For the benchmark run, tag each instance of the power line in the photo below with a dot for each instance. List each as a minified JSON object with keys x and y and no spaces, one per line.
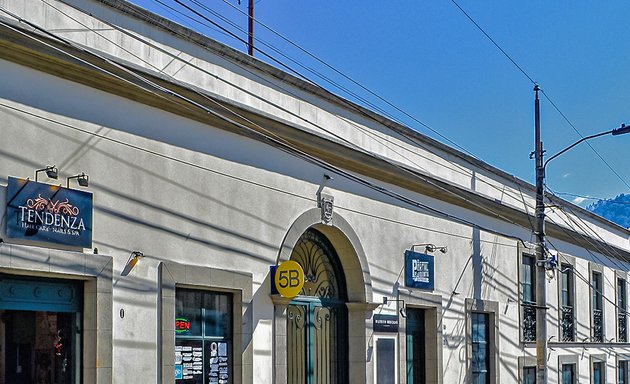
{"x":241,"y":40}
{"x":603,"y":199}
{"x":490,"y":211}
{"x":330,"y":81}
{"x":452,"y":217}
{"x":353,"y":81}
{"x":351,"y":144}
{"x":495,"y":43}
{"x":231,"y":176}
{"x":174,"y":13}
{"x":415,"y":141}
{"x":278,"y":143}
{"x":404,"y":134}
{"x":187,"y":62}
{"x":587,"y":142}
{"x":543,"y":92}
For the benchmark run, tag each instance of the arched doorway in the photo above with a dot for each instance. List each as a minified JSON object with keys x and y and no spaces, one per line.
{"x":317,"y":319}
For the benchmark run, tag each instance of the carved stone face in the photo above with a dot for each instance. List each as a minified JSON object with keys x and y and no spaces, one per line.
{"x":326,"y":205}
{"x":327,"y":210}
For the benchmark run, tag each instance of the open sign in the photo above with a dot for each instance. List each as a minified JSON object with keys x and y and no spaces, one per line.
{"x":182,"y":325}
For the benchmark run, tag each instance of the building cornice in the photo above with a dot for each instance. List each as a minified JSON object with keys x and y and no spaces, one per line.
{"x":82,"y":68}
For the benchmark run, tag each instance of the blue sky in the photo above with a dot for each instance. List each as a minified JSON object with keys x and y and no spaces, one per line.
{"x":427,"y":58}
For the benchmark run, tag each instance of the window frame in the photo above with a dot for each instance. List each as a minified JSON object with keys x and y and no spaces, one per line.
{"x":598,"y":359}
{"x":480,"y":319}
{"x":203,"y":337}
{"x":175,"y":275}
{"x":573,"y":360}
{"x":621,"y":308}
{"x":625,"y":363}
{"x":377,"y":338}
{"x":568,"y":262}
{"x":491,"y":309}
{"x":597,"y":297}
{"x":525,"y":362}
{"x":526,"y":306}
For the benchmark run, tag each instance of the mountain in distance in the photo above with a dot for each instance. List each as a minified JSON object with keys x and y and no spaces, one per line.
{"x":616,"y":210}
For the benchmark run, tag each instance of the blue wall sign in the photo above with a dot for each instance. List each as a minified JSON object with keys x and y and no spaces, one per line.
{"x":48,"y":213}
{"x":419,"y":270}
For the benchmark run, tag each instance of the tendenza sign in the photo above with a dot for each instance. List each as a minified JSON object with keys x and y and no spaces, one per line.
{"x":49,"y":213}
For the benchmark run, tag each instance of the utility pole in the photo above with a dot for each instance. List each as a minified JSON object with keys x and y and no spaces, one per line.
{"x":541,"y":281}
{"x":250,"y":28}
{"x":542,"y":262}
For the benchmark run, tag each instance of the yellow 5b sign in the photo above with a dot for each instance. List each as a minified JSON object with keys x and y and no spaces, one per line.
{"x":289,"y":278}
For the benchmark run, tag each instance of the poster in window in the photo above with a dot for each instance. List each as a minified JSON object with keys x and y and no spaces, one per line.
{"x":189,"y":355}
{"x":217,"y":358}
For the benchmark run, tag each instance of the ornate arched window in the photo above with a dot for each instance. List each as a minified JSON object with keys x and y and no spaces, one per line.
{"x":324,"y":277}
{"x":317,"y":342}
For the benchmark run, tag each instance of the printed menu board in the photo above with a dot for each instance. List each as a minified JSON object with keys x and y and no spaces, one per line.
{"x":189,"y":362}
{"x":202,"y":362}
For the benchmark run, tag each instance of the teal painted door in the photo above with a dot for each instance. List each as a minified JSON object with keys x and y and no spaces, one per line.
{"x":40,"y":339}
{"x":317,"y":326}
{"x":316,"y":342}
{"x":415,"y":346}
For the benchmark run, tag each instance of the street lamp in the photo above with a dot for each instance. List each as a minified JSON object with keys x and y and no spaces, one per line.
{"x":541,"y":259}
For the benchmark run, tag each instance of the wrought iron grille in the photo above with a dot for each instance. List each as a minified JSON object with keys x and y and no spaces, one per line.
{"x":622,"y":326}
{"x":322,"y":274}
{"x":317,"y":324}
{"x":529,"y":322}
{"x":567,"y":324}
{"x":598,"y":326}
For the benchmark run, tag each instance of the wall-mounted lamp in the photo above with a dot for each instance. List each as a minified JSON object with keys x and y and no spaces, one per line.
{"x":82,"y":179}
{"x":131,"y":262}
{"x":51,"y":171}
{"x":402,"y":311}
{"x":430,"y":248}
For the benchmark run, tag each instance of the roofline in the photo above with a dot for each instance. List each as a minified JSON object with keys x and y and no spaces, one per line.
{"x":230,"y":53}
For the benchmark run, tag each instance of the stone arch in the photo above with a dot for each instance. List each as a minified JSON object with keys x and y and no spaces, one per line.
{"x":358,"y":289}
{"x":347,"y":245}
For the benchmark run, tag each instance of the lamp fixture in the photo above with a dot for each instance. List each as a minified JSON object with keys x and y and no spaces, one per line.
{"x":430,"y":248}
{"x":82,"y":179}
{"x":51,"y":171}
{"x":402,"y":310}
{"x":131,"y":262}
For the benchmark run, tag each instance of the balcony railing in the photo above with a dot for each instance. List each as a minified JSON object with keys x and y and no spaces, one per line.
{"x":622,"y":327}
{"x":598,"y":326}
{"x":567,"y":323}
{"x":529,"y":322}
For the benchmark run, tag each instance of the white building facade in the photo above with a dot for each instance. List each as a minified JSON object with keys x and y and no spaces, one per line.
{"x":206,"y":170}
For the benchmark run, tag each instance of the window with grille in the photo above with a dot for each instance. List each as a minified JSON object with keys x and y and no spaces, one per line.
{"x":528,"y":297}
{"x":567,"y":310}
{"x":622,"y":322}
{"x":597,"y":323}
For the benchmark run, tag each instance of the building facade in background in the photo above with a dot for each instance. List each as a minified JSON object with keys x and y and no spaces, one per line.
{"x":177,"y":179}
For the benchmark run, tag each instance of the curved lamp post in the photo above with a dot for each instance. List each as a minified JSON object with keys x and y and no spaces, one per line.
{"x":541,"y":260}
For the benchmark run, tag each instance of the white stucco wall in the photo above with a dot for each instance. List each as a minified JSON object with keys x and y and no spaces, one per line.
{"x":158,"y":51}
{"x":185,"y":192}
